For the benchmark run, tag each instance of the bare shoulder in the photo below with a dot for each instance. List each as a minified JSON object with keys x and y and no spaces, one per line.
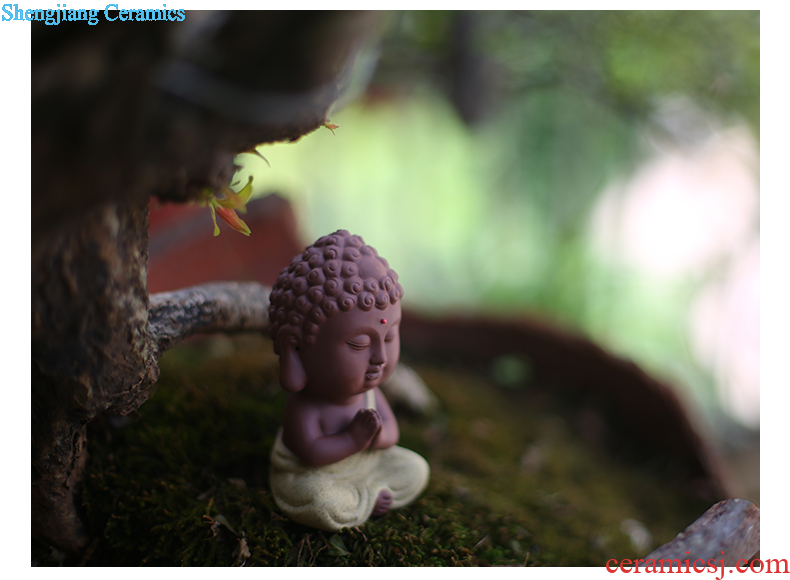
{"x":302,"y":415}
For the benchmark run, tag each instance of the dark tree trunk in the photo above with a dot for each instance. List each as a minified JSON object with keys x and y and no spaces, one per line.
{"x":121,"y":113}
{"x":91,"y":350}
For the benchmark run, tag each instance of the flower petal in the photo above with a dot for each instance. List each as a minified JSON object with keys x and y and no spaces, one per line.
{"x":233,"y":220}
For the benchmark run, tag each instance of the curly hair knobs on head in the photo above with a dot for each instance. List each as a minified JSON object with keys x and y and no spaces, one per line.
{"x":325,"y":279}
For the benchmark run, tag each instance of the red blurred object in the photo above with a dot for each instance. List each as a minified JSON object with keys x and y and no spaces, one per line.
{"x":183,"y":250}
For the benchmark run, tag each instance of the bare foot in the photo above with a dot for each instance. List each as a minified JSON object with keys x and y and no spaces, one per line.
{"x":383,"y":503}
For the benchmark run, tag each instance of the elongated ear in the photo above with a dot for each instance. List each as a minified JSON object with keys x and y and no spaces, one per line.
{"x":292,"y":376}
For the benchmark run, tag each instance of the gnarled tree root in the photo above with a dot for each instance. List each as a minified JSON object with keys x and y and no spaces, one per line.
{"x":219,"y":307}
{"x":729,"y":531}
{"x":60,"y":458}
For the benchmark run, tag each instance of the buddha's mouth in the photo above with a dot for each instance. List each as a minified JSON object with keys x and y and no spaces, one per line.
{"x":374,"y":375}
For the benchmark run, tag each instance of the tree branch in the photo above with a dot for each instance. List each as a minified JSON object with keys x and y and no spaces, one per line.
{"x":731,"y":526}
{"x":219,"y":307}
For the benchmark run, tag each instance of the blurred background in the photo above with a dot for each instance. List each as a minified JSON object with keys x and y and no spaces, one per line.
{"x":596,"y":169}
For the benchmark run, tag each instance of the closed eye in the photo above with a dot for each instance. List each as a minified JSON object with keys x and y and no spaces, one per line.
{"x":358,"y":344}
{"x":391,"y":335}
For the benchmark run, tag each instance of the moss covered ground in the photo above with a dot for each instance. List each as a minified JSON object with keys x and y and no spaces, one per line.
{"x":186,"y":481}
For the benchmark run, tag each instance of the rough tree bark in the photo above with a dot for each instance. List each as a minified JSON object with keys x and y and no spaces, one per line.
{"x":240,"y":306}
{"x":91,"y":350}
{"x":728,"y":532}
{"x":120,"y":113}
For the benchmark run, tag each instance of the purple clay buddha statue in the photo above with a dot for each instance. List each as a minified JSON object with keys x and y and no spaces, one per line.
{"x":335,"y":312}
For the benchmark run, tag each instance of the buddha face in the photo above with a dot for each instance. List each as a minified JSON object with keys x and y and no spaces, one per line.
{"x":353,"y":352}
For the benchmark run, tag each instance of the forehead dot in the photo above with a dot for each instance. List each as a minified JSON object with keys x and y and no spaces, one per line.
{"x":383,"y":321}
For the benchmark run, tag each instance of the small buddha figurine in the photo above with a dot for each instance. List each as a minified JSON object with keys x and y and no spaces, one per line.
{"x":335,"y":313}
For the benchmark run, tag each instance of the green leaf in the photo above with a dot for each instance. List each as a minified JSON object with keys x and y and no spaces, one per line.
{"x":246,"y":193}
{"x":337,"y":547}
{"x":214,"y":217}
{"x":224,"y":521}
{"x":236,"y":201}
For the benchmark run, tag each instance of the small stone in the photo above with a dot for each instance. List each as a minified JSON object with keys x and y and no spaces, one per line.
{"x":640,"y":536}
{"x":533,"y":458}
{"x":406,"y":389}
{"x":462,"y":492}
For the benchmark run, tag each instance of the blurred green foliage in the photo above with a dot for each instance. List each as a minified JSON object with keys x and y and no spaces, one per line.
{"x":625,"y":59}
{"x":486,"y":138}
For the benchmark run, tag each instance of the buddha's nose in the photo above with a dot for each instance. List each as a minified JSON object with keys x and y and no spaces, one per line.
{"x":378,"y":357}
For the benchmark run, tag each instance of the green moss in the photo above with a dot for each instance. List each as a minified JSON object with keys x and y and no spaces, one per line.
{"x":186,"y":483}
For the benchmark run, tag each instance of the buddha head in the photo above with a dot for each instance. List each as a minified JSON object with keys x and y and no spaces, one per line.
{"x":335,"y":314}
